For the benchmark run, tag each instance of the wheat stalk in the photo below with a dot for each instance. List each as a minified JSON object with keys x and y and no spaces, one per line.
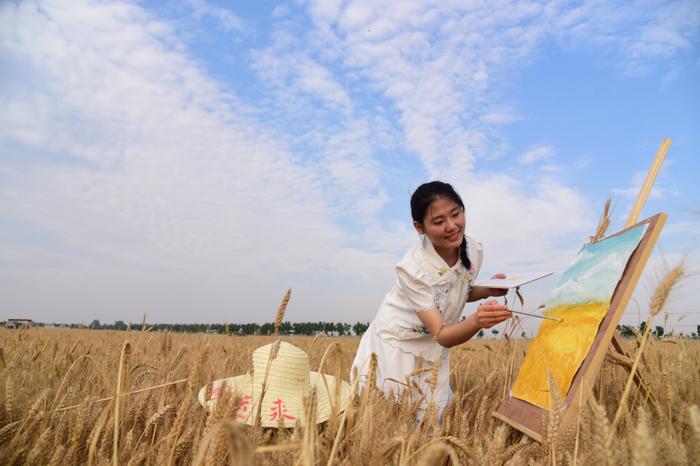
{"x":603,"y":224}
{"x":123,"y":363}
{"x":281,"y":310}
{"x":658,"y":300}
{"x":372,"y":430}
{"x":553,"y":418}
{"x":432,"y":382}
{"x":419,"y":372}
{"x":641,"y":443}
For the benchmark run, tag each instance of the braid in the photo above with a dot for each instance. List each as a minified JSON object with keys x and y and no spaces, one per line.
{"x":464,"y":254}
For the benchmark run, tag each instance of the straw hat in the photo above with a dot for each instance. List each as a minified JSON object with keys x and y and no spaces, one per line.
{"x":289,"y":381}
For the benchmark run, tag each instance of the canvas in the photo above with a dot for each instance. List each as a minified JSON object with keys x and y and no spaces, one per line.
{"x":580,"y":300}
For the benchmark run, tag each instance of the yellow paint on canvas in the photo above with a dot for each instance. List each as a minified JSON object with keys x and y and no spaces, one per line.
{"x":559,"y":347}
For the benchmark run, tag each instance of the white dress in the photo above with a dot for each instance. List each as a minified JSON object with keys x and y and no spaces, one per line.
{"x":397,"y":336}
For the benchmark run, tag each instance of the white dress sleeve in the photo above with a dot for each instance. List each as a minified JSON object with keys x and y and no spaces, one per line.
{"x":413,"y":286}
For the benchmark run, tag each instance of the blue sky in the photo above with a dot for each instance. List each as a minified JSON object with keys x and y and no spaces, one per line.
{"x":194,"y":159}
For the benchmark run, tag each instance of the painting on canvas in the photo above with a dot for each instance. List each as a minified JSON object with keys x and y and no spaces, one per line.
{"x":580,"y":301}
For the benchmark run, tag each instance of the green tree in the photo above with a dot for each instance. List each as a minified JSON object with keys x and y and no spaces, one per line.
{"x":626,"y":331}
{"x":659,"y":331}
{"x":119,"y":325}
{"x":360,"y":328}
{"x":481,"y":333}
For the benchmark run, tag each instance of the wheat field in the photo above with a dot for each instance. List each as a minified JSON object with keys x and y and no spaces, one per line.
{"x":58,"y":386}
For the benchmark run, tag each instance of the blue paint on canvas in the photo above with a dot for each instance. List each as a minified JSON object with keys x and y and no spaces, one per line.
{"x":596,"y":270}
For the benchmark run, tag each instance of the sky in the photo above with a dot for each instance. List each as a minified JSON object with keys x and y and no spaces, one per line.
{"x":193,"y":159}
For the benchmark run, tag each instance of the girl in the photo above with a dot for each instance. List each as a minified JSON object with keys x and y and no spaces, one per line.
{"x":419,"y":317}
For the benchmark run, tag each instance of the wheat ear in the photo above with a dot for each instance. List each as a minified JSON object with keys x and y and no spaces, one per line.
{"x":603,"y":224}
{"x":280,"y":311}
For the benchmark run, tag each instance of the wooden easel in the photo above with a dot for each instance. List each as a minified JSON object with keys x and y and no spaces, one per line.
{"x":617,"y":350}
{"x":529,"y":418}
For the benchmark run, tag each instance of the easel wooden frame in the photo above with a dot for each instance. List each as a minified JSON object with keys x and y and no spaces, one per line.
{"x":616,"y":345}
{"x":529,"y":418}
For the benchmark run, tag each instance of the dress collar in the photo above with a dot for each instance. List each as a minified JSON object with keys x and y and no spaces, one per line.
{"x":434,"y":263}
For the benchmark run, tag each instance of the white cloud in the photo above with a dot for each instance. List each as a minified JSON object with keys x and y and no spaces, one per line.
{"x":228,"y":20}
{"x":500,"y":115}
{"x":433,"y":63}
{"x":634,"y":33}
{"x":631,"y":192}
{"x":155,"y":179}
{"x":150,"y":183}
{"x":539,"y":152}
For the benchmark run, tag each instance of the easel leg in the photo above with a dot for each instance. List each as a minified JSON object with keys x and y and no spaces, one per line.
{"x":619,"y":353}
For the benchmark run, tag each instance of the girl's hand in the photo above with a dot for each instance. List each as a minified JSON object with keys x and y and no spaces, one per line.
{"x":491,"y":313}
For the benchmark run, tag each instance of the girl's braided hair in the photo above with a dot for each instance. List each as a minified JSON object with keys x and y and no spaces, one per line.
{"x":425,"y":195}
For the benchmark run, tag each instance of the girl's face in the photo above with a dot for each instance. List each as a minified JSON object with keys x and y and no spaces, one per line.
{"x":443,"y":224}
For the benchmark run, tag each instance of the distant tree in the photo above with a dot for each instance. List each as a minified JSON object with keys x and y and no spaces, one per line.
{"x":659,"y":331}
{"x":286,"y":328}
{"x":360,"y":328}
{"x":481,"y":333}
{"x":642,"y":327}
{"x":523,"y":335}
{"x":494,"y":331}
{"x":119,"y":325}
{"x":626,"y":331}
{"x":95,"y":324}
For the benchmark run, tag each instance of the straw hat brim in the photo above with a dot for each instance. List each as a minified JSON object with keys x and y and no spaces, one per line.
{"x":330,"y":391}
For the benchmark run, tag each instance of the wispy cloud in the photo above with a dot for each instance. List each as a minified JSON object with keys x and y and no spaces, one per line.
{"x":169,"y":184}
{"x":631,"y":192}
{"x":130,"y":167}
{"x":539,"y":152}
{"x":223,"y":16}
{"x":634,"y":34}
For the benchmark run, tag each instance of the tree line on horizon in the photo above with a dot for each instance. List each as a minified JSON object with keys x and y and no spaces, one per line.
{"x":286,"y":328}
{"x":303,"y":328}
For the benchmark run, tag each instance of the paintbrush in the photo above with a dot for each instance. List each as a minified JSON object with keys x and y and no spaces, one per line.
{"x":535,"y":315}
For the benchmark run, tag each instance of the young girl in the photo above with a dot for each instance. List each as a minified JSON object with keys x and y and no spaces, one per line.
{"x":419,"y":317}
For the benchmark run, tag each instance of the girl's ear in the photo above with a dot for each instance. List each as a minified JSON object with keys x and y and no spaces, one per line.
{"x":419,"y":228}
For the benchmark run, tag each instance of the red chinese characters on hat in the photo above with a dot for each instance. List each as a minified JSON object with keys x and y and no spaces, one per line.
{"x":279,"y":410}
{"x":243,"y":407}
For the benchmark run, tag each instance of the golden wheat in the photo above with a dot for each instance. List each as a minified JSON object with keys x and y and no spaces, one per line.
{"x":54,"y":379}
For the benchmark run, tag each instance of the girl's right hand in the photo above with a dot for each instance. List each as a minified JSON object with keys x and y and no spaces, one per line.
{"x":491,"y":313}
